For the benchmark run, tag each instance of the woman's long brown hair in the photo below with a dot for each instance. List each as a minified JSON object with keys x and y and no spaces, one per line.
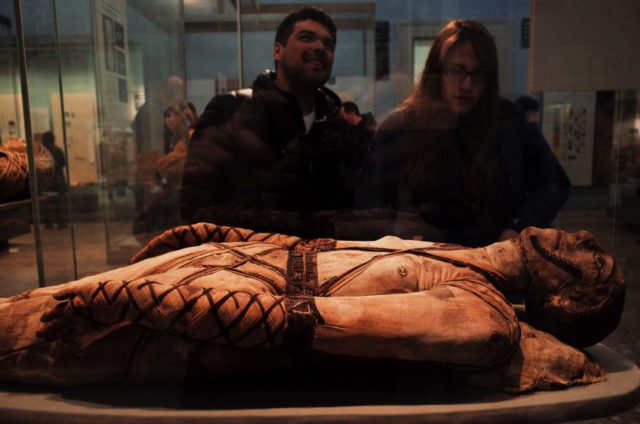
{"x":428,"y":116}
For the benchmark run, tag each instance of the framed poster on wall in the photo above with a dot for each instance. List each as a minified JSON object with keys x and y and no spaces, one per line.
{"x":110,"y":28}
{"x":568,"y":124}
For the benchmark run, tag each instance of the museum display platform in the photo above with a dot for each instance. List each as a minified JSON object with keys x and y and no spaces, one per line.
{"x":404,"y":395}
{"x":15,"y":216}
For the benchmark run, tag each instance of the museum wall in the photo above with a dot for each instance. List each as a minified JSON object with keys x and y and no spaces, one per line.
{"x":381,"y":94}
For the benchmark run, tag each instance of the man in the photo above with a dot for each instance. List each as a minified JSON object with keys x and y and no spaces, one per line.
{"x":351,"y":113}
{"x":275,"y":157}
{"x":56,"y":212}
{"x":530,"y":106}
{"x":363,"y":125}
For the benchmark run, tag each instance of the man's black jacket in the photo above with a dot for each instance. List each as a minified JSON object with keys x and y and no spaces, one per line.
{"x":252,"y":164}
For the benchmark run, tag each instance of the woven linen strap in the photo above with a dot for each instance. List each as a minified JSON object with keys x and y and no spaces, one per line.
{"x":302,"y":285}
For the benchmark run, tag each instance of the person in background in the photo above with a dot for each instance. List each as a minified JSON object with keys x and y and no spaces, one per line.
{"x":463,"y":162}
{"x":55,"y":213}
{"x":363,"y":125}
{"x":152,"y":137}
{"x":148,"y":126}
{"x":275,"y":157}
{"x":162,"y":209}
{"x":531,"y":108}
{"x":180,"y":120}
{"x":351,"y":113}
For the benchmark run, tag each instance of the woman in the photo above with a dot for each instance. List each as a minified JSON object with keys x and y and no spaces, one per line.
{"x":179,"y":121}
{"x":459,"y":157}
{"x":161,"y":211}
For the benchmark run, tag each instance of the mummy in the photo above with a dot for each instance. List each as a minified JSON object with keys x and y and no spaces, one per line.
{"x":233,"y":299}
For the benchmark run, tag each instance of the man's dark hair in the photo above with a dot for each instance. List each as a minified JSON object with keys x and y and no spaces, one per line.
{"x":48,"y":139}
{"x":306,"y":13}
{"x":351,"y":107}
{"x":528,"y":104}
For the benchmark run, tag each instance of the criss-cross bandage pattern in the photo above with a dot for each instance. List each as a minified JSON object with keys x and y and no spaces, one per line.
{"x":231,"y":317}
{"x":227,"y":292}
{"x":194,"y":235}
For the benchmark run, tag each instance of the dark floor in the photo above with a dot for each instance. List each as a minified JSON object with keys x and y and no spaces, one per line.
{"x":105,"y":244}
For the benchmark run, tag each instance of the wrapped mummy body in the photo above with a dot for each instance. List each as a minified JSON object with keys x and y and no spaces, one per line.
{"x":14,"y":169}
{"x":227,"y":293}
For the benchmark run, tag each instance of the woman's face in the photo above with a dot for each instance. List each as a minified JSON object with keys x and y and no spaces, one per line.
{"x":174,"y":120}
{"x":463,"y":81}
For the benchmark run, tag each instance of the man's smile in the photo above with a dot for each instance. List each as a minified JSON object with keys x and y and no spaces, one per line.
{"x":316,"y":60}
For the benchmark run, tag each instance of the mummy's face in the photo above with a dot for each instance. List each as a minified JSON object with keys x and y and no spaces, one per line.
{"x":576,"y":291}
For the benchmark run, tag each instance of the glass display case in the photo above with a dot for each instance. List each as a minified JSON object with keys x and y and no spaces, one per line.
{"x":99,"y":75}
{"x":92,"y":71}
{"x":103,"y":78}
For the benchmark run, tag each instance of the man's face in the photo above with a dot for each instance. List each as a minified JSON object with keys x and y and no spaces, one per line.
{"x":307,"y":58}
{"x":463,"y":82}
{"x":532,"y":116}
{"x":350,"y":117}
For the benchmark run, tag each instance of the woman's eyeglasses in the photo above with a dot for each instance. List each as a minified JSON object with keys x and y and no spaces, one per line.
{"x":459,"y":73}
{"x":171,"y":112}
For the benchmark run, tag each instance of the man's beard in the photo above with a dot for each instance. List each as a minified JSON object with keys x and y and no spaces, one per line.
{"x":298,"y":77}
